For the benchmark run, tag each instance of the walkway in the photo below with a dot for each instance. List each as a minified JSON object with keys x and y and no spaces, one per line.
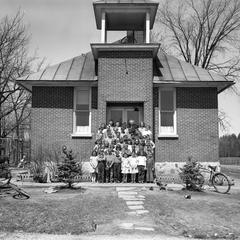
{"x":137,"y":216}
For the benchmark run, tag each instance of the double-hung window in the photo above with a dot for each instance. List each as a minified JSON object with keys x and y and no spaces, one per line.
{"x":167,"y":112}
{"x":82,"y":113}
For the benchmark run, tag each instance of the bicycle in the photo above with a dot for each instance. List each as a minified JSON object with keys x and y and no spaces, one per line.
{"x":20,"y":195}
{"x":5,"y":183}
{"x":218,"y":180}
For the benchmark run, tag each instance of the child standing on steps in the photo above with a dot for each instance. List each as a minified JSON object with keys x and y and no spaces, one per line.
{"x":133,"y":161}
{"x":141,"y":166}
{"x":110,"y":158}
{"x":125,"y":166}
{"x":93,"y":166}
{"x":117,"y":167}
{"x":101,"y":167}
{"x":150,"y":165}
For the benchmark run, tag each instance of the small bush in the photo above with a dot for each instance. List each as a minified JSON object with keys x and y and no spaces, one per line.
{"x":69,"y":168}
{"x":191,"y":176}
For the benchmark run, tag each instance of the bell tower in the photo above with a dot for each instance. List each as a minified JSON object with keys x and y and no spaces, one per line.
{"x":125,"y":68}
{"x":135,"y":16}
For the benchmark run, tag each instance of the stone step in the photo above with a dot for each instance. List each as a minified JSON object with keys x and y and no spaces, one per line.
{"x":142,"y":211}
{"x":127,"y":193}
{"x":132,"y":213}
{"x":132,"y":226}
{"x":125,"y":189}
{"x":144,"y":228}
{"x":136,"y":207}
{"x":131,"y":199}
{"x":126,"y":225}
{"x":134,"y":203}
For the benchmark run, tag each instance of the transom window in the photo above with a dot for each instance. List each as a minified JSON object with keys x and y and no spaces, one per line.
{"x":124,"y":114}
{"x":82,"y":113}
{"x":167,"y":112}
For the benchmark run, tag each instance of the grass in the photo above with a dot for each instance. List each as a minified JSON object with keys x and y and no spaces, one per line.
{"x":67,"y":212}
{"x":73,"y":212}
{"x":231,"y":170}
{"x":205,"y":215}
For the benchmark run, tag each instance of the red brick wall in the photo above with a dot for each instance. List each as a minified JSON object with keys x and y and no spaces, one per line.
{"x":125,"y":77}
{"x":197,"y":127}
{"x":51,"y":127}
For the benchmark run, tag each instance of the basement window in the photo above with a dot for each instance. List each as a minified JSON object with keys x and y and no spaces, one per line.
{"x":82,"y":113}
{"x":167,"y":112}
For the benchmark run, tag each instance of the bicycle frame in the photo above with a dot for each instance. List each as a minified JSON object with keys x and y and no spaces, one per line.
{"x":208,"y":171}
{"x":21,"y":194}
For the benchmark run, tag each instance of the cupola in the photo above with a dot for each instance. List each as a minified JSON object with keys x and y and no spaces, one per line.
{"x":136,"y":17}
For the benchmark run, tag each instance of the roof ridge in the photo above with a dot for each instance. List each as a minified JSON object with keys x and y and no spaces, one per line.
{"x":165,"y":55}
{"x":70,"y":67}
{"x":85,"y":58}
{"x":59,"y":64}
{"x":179,"y":62}
{"x":43,"y":71}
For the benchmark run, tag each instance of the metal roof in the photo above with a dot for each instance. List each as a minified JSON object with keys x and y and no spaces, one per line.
{"x":173,"y":69}
{"x":80,"y":68}
{"x":168,"y":70}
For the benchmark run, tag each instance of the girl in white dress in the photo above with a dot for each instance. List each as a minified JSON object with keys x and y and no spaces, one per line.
{"x":133,"y":161}
{"x":93,"y":166}
{"x":125,"y":166}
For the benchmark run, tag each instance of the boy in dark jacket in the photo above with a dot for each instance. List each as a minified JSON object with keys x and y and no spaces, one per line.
{"x":117,"y":167}
{"x":101,"y":167}
{"x":110,"y":158}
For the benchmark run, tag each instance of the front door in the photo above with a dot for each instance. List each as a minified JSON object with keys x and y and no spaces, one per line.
{"x":124,"y":114}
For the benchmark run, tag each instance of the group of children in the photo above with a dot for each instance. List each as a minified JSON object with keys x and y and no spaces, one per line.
{"x":122,"y":153}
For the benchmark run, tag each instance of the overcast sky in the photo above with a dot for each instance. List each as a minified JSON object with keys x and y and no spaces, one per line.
{"x":62,"y":29}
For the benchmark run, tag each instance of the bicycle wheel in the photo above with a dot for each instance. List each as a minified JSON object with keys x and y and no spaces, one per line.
{"x":221,"y":183}
{"x":21,"y":196}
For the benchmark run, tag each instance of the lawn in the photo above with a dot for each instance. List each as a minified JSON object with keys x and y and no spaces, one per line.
{"x":231,"y":170}
{"x":71,"y":212}
{"x":205,"y":215}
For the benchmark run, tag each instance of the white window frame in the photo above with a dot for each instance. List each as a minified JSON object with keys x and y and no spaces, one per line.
{"x":124,"y":112}
{"x":82,"y":133}
{"x":174,"y":133}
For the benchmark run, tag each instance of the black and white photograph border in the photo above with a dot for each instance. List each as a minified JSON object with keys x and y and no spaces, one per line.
{"x":119,"y":119}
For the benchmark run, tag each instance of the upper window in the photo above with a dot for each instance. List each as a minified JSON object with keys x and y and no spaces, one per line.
{"x":167,"y":113}
{"x":82,"y":113}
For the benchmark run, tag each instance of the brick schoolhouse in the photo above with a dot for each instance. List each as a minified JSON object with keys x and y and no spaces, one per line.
{"x":128,"y":79}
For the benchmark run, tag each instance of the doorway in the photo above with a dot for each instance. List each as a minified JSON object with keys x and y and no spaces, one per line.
{"x":124,"y":113}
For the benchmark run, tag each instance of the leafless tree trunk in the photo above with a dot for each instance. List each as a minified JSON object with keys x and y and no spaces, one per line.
{"x":203,"y":32}
{"x":14,"y":62}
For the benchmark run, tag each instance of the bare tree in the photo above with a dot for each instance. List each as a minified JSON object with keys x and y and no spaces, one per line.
{"x":203,"y":32}
{"x":14,"y":62}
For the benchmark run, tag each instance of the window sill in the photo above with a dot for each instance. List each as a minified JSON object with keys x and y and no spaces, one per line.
{"x":168,"y":136}
{"x":81,"y":135}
